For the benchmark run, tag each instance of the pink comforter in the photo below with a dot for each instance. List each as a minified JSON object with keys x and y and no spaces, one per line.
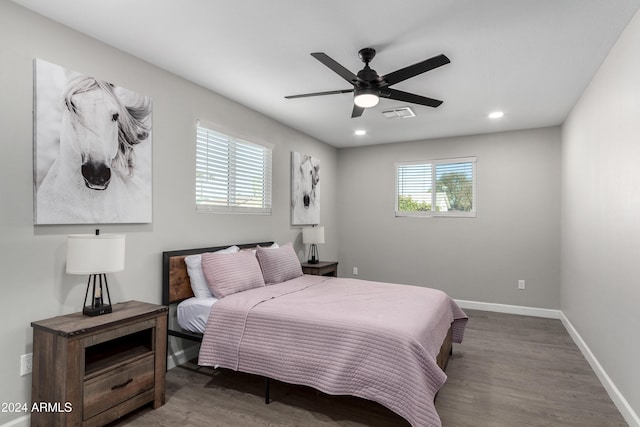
{"x":373,"y":340}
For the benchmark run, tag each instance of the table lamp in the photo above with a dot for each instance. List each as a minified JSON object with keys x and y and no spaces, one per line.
{"x":313,"y":236}
{"x":95,"y":255}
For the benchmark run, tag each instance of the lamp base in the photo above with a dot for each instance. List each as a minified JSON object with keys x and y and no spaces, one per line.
{"x":313,"y":254}
{"x":98,"y":305}
{"x":96,"y":311}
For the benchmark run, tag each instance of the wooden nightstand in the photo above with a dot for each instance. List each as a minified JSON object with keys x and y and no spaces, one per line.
{"x":323,"y":268}
{"x":97,"y":369}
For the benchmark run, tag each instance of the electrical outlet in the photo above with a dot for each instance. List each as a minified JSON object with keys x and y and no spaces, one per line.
{"x":355,"y":271}
{"x":521,"y":284}
{"x":26,"y":364}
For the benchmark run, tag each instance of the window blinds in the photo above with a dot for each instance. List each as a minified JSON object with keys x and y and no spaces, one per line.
{"x":232,"y":175}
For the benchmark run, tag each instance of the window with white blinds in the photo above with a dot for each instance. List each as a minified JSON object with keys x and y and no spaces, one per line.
{"x":232,"y":175}
{"x":436,"y":187}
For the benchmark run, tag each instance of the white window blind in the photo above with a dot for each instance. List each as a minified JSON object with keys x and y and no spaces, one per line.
{"x":436,"y":188}
{"x":232,"y":175}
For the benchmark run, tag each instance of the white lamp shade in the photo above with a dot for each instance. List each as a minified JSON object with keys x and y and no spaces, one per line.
{"x":95,"y":254}
{"x":313,"y":235}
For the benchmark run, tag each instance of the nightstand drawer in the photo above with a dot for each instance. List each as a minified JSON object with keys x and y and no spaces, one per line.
{"x":107,"y":390}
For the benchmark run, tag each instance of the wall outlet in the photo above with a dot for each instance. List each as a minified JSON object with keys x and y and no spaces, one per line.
{"x":355,"y":271}
{"x":26,"y":364}
{"x":521,"y":284}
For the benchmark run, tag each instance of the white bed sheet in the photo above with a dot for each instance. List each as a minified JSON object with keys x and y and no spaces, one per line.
{"x":193,"y":313}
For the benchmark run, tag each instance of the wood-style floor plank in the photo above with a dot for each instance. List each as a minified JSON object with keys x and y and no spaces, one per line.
{"x":509,"y":371}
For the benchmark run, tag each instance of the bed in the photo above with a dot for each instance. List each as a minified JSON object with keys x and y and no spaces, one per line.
{"x":389,"y":343}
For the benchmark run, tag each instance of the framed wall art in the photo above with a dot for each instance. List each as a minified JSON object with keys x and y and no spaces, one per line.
{"x":305,"y":189}
{"x":92,"y":150}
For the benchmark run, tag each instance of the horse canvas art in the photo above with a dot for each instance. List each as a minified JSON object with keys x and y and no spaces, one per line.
{"x":92,"y":150}
{"x":305,"y":189}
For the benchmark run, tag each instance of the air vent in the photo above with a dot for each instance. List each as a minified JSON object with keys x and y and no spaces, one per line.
{"x":399,"y":113}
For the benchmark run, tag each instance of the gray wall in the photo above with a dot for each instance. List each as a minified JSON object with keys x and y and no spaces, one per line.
{"x":34,"y":283}
{"x":601,"y":215}
{"x":516,"y":234}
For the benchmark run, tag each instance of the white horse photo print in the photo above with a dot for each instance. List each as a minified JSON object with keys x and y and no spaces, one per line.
{"x":305,"y":189}
{"x":92,"y":150}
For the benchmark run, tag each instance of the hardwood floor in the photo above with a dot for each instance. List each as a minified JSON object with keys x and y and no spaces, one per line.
{"x":510,"y":371}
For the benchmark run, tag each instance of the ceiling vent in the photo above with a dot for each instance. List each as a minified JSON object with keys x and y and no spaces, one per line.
{"x":399,"y":113}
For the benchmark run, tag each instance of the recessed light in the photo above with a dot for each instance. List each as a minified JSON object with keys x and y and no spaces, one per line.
{"x":496,"y":115}
{"x":360,"y":132}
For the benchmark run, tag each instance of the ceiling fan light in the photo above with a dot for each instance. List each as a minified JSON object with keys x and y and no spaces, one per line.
{"x":366,"y":98}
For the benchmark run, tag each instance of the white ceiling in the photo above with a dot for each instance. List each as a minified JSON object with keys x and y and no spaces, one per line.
{"x":530,"y":59}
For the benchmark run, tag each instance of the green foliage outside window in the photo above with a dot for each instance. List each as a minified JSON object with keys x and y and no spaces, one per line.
{"x":407,"y":204}
{"x":459,"y":190}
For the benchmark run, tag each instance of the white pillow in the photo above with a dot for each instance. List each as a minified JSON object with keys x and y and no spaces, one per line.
{"x":196,"y":276}
{"x":273,"y":246}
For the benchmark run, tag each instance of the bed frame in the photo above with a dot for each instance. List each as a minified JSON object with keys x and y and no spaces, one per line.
{"x":176,"y":288}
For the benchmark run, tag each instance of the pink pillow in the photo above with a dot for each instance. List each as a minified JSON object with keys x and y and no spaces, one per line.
{"x":279,"y":264}
{"x":227,"y":274}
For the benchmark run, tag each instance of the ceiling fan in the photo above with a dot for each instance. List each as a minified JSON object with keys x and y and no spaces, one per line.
{"x":369,"y":87}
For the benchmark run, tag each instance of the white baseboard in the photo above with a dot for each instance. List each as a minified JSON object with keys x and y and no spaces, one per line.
{"x":23,"y":421}
{"x":182,"y":356}
{"x":618,"y":399}
{"x":510,"y":309}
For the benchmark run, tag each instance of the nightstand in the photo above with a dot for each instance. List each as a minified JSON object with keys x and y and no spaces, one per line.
{"x":99,"y":368}
{"x":323,"y":268}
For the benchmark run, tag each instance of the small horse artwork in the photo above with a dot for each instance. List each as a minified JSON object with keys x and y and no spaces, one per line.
{"x":305,"y":189}
{"x":92,"y":150}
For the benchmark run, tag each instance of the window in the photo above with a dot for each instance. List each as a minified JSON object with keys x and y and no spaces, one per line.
{"x":436,"y":188}
{"x":232,"y":175}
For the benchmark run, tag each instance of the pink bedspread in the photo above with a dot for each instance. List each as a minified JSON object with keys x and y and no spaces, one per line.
{"x":373,"y":340}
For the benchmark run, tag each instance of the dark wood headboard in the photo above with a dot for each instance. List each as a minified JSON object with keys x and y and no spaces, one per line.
{"x":176,"y":286}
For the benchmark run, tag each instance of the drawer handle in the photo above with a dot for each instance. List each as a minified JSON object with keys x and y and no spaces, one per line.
{"x":115,"y":387}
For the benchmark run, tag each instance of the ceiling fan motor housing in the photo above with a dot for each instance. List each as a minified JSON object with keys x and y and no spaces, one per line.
{"x":367,"y":75}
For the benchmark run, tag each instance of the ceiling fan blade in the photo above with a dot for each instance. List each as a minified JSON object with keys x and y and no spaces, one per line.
{"x":413,"y":70}
{"x":331,"y":92}
{"x":357,"y":111}
{"x":335,"y":67}
{"x":399,"y":95}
